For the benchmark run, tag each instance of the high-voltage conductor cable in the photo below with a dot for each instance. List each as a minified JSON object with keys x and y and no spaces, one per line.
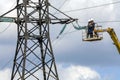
{"x":61,"y":6}
{"x":92,"y":7}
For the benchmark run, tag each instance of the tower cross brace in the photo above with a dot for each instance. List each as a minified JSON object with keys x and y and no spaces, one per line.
{"x":34,"y":58}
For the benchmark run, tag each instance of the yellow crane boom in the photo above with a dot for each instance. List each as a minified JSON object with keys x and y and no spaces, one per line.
{"x":113,"y":36}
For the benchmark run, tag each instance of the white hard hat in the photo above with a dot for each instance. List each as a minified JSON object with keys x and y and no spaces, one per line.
{"x":91,"y":19}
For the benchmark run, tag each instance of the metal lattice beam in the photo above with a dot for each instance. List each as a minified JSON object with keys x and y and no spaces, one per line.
{"x":34,"y":54}
{"x":34,"y":58}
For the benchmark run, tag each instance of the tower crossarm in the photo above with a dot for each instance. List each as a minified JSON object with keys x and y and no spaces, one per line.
{"x":7,"y":19}
{"x":52,"y":21}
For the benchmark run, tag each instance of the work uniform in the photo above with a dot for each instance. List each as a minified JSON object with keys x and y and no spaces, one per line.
{"x":91,"y":26}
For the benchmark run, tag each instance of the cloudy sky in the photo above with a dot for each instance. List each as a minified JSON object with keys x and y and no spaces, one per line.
{"x":83,"y":60}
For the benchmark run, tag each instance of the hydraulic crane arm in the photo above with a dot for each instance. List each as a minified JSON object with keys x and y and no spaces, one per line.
{"x":113,"y":36}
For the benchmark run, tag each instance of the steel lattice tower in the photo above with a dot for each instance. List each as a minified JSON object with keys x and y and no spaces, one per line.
{"x":34,"y":58}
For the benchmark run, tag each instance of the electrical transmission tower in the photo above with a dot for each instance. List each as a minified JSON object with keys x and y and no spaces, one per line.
{"x":34,"y":58}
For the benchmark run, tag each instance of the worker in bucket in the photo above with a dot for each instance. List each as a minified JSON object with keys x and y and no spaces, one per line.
{"x":91,"y":27}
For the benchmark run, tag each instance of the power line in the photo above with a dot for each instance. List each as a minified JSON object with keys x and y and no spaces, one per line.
{"x":14,"y":4}
{"x":60,"y":38}
{"x":116,"y":21}
{"x":10,"y":9}
{"x":69,"y":32}
{"x":5,"y":29}
{"x":108,"y":22}
{"x":92,"y":7}
{"x":61,"y":6}
{"x":8,"y":62}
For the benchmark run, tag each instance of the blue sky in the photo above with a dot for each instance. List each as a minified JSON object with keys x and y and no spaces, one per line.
{"x":100,"y":58}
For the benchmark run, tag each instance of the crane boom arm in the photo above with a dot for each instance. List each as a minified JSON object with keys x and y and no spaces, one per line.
{"x":113,"y":36}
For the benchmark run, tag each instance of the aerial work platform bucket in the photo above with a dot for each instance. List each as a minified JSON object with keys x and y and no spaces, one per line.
{"x":95,"y":37}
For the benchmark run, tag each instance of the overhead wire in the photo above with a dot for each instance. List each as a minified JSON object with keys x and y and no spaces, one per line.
{"x":13,"y":5}
{"x":9,"y":61}
{"x":63,"y":35}
{"x":9,"y":10}
{"x":95,"y":7}
{"x":69,"y":32}
{"x":114,"y":21}
{"x":61,"y":6}
{"x":72,"y":11}
{"x":9,"y":24}
{"x":92,"y":7}
{"x":5,"y":28}
{"x":53,"y":42}
{"x":6,"y":64}
{"x":108,"y":21}
{"x":87,"y":22}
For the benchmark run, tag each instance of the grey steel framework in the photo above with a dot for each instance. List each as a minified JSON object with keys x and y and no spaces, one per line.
{"x":34,"y":58}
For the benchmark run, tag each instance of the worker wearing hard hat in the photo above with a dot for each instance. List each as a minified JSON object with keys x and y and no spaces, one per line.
{"x":91,"y":26}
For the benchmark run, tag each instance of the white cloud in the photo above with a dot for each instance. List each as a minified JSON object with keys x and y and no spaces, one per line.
{"x":5,"y":74}
{"x":67,"y":73}
{"x":78,"y":73}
